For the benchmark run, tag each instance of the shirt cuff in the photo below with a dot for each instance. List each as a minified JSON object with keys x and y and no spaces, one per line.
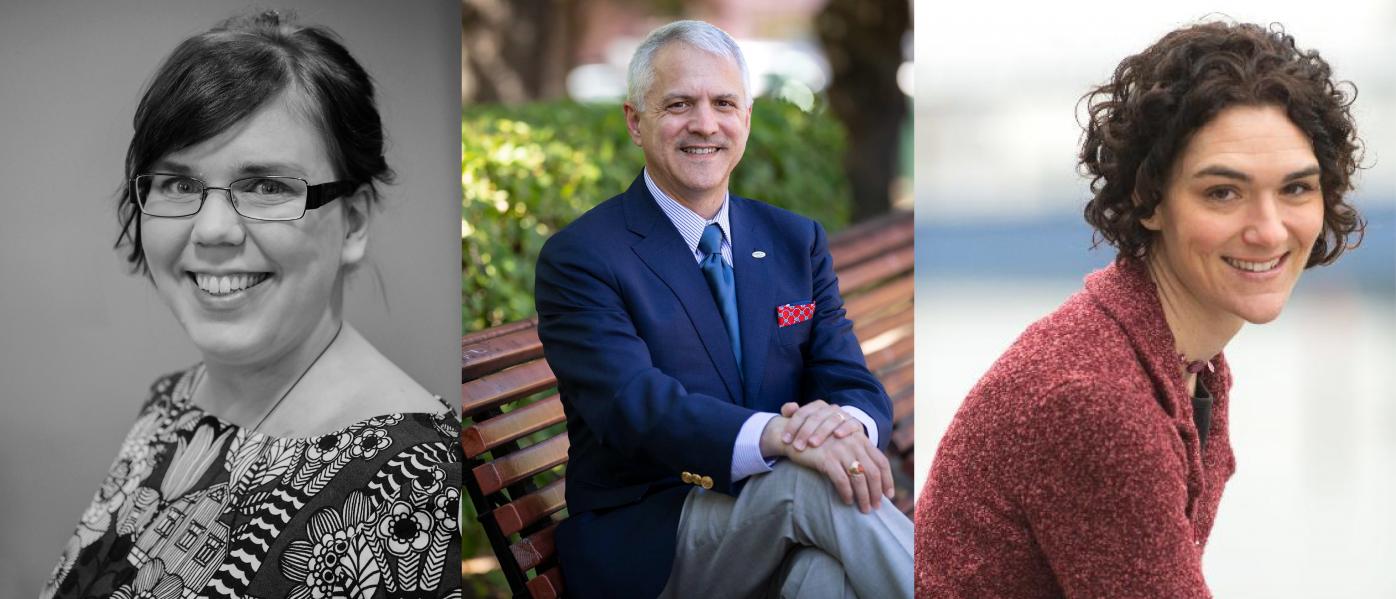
{"x":869,"y":425}
{"x":746,"y":452}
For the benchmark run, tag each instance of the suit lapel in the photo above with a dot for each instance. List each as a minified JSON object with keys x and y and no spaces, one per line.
{"x":667,"y":255}
{"x":755,"y":293}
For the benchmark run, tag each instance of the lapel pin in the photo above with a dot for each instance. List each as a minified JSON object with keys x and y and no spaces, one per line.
{"x":758,"y":254}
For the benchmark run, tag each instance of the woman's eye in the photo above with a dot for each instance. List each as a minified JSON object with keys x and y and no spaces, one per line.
{"x":269,"y":187}
{"x":1222,"y":194}
{"x":1297,"y":188}
{"x":180,"y":186}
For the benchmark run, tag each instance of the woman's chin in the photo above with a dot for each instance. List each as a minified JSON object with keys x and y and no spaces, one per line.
{"x":1261,"y":310}
{"x":229,"y":343}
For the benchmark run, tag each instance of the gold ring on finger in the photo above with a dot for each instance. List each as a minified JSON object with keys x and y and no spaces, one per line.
{"x":855,"y":468}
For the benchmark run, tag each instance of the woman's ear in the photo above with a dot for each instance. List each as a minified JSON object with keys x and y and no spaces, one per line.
{"x":357,"y":214}
{"x":1154,"y":222}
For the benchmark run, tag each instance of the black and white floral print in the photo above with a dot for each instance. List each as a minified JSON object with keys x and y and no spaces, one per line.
{"x":196,"y":506}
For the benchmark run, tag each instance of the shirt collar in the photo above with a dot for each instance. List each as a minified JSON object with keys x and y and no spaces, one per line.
{"x":689,"y":223}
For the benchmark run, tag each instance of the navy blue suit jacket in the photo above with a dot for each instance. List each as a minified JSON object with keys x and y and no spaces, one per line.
{"x":648,"y":380}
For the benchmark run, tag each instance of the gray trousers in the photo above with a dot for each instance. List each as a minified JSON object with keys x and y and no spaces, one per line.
{"x":788,"y":535}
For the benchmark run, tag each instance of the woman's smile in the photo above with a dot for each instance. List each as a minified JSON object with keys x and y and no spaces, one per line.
{"x":229,"y":290}
{"x":215,"y":284}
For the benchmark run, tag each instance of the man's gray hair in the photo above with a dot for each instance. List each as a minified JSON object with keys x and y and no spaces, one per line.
{"x":698,"y":34}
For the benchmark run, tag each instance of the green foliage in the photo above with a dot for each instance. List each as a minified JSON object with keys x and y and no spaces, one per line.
{"x":529,"y":170}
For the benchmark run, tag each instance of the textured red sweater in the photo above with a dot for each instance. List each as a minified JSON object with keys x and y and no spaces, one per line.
{"x":1073,"y":468}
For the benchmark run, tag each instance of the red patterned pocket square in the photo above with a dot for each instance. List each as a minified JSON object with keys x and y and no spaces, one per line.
{"x":794,"y":313}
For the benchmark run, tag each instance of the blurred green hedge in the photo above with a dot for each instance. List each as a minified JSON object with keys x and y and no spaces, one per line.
{"x":528,"y":170}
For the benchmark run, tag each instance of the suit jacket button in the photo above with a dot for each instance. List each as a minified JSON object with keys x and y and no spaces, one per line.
{"x":707,"y":482}
{"x":687,"y":478}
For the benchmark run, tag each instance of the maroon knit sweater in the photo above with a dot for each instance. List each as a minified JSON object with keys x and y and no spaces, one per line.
{"x":1073,"y":469}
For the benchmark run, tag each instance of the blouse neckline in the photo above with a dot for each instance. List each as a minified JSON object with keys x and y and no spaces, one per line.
{"x":182,"y":396}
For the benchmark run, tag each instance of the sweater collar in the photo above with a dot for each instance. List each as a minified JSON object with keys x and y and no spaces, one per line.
{"x":1126,"y":292}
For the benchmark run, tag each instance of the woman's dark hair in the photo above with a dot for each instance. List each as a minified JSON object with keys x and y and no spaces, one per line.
{"x":214,"y":80}
{"x":1142,"y":118}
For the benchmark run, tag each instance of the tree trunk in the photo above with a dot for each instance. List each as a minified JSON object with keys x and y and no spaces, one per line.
{"x":515,"y":50}
{"x":863,"y":42}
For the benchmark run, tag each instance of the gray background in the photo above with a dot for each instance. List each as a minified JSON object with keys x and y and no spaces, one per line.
{"x":82,"y":339}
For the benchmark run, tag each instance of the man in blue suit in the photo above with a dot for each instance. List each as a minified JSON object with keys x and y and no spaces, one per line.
{"x":726,"y":434}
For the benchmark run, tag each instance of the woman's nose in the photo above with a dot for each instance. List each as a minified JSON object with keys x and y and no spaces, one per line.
{"x":1265,"y":226}
{"x":217,"y":222}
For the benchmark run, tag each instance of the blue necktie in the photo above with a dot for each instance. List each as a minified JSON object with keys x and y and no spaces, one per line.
{"x":720,"y":281}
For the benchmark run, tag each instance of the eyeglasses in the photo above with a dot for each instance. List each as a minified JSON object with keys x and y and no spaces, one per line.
{"x":258,"y":198}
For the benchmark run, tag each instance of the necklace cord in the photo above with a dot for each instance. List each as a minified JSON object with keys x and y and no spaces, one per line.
{"x":287,"y":392}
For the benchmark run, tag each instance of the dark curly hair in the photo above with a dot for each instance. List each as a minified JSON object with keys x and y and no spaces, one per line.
{"x":216,"y":79}
{"x":1143,"y":117}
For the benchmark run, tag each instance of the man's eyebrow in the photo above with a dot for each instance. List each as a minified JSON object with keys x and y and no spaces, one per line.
{"x":672,"y":97}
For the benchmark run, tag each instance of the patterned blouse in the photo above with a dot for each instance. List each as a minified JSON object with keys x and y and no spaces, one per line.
{"x":195,"y":506}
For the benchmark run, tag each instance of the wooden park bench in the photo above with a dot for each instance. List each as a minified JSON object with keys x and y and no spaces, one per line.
{"x":515,"y":440}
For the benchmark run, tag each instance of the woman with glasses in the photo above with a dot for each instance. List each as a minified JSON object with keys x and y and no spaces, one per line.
{"x":1090,"y":460}
{"x":294,"y":460}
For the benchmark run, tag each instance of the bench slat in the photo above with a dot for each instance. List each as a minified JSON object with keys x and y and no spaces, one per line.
{"x":547,"y":585}
{"x":487,"y":435}
{"x":514,"y":517}
{"x":872,"y":237}
{"x":491,"y":390}
{"x":900,"y":386}
{"x":498,"y":353}
{"x":876,"y":268}
{"x":903,"y":349}
{"x":502,"y":472}
{"x":871,"y":328}
{"x":533,"y":549}
{"x":879,"y":298}
{"x":499,"y":331}
{"x":904,"y":436}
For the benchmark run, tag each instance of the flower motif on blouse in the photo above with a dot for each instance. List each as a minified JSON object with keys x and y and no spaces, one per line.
{"x":125,"y":477}
{"x":446,"y":508}
{"x":385,"y":420}
{"x":328,"y":448}
{"x":405,"y":528}
{"x":336,"y":559}
{"x":431,"y":481}
{"x":369,"y":442}
{"x":446,"y":424}
{"x":152,"y":582}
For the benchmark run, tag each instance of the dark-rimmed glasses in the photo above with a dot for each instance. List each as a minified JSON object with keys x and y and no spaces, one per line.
{"x":265,"y":197}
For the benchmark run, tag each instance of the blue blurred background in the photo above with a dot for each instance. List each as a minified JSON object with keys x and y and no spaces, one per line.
{"x":1311,"y":510}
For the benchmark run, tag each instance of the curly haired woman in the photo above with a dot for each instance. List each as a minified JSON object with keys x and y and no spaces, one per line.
{"x":1091,"y":458}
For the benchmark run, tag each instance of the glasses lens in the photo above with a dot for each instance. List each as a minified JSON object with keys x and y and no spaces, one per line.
{"x":168,"y":195}
{"x":270,"y":198}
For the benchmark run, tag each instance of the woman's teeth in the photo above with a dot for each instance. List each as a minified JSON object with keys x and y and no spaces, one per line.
{"x":1254,"y":266}
{"x":225,"y":284}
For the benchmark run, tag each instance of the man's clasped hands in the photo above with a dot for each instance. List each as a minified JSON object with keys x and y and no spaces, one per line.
{"x":825,"y":438}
